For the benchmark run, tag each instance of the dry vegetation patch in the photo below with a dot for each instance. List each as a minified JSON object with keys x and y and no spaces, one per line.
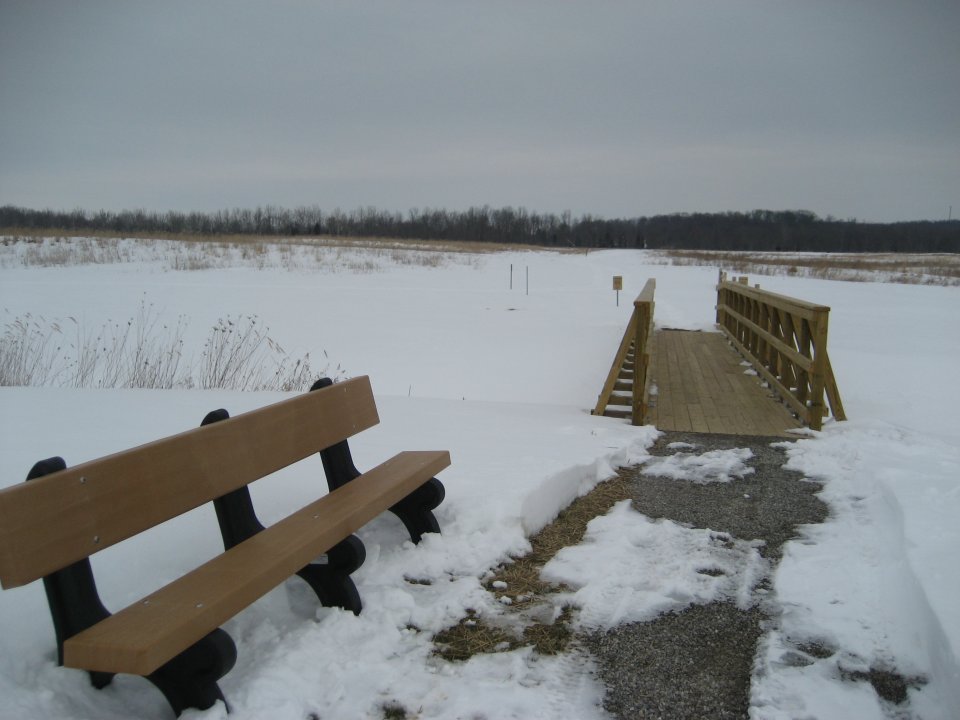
{"x":473,"y":636}
{"x":187,"y":253}
{"x":35,"y":235}
{"x":52,"y":247}
{"x":901,"y":268}
{"x":530,"y":617}
{"x":145,"y":352}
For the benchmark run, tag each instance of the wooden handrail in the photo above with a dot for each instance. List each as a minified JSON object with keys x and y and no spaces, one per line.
{"x":638,"y":334}
{"x":785,"y":340}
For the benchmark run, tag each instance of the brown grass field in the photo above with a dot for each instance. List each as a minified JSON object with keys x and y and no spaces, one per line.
{"x":903,"y":268}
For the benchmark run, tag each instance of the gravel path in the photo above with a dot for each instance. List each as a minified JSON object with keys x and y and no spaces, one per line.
{"x":697,"y":663}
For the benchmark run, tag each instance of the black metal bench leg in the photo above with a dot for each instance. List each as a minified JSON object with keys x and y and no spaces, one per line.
{"x":330,"y":581}
{"x":74,"y":606}
{"x":415,"y":510}
{"x":189,"y":680}
{"x":71,"y":592}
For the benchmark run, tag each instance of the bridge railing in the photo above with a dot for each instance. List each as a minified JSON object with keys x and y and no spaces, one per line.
{"x":785,"y":340}
{"x":637,"y":336}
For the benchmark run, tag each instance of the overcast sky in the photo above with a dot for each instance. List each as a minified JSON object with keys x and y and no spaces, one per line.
{"x":618,"y":109}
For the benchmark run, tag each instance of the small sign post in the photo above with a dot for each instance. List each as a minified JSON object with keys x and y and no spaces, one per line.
{"x":618,"y":286}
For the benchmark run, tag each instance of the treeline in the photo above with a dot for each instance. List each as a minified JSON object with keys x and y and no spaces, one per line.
{"x":760,"y":230}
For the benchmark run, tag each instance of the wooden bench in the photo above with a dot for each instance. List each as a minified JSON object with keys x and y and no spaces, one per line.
{"x":50,"y":526}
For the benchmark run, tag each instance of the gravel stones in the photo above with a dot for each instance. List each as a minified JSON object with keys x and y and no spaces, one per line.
{"x":767,"y":504}
{"x":691,"y":664}
{"x":697,"y":663}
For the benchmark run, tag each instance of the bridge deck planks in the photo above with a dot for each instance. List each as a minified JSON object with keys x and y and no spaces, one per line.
{"x":702,"y":387}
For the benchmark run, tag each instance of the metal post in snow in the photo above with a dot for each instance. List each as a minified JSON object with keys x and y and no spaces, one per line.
{"x":528,"y":279}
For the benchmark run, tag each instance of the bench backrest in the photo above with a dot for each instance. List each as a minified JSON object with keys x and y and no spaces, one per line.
{"x":53,"y":521}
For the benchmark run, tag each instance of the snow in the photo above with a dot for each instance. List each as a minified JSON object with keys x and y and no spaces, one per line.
{"x":503,"y":378}
{"x":890,"y":493}
{"x":661,"y":566}
{"x":712,"y":466}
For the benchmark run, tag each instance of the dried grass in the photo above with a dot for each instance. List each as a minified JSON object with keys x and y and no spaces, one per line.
{"x":143,"y":352}
{"x":394,"y":711}
{"x":520,"y":583}
{"x":550,"y":638}
{"x":571,"y":524}
{"x":473,"y":636}
{"x":35,"y":235}
{"x":901,"y":268}
{"x":48,"y":248}
{"x":195,"y":254}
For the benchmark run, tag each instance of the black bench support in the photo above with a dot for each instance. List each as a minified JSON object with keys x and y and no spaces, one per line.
{"x":188,"y":680}
{"x":330,"y":581}
{"x":415,"y":510}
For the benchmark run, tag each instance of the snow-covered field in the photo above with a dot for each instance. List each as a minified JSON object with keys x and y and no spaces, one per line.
{"x":503,"y":378}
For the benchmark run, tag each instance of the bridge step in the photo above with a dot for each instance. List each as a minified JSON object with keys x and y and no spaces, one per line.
{"x":617,"y":413}
{"x":620,"y":404}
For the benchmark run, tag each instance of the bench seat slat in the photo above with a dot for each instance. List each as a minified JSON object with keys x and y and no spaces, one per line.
{"x":145,"y":635}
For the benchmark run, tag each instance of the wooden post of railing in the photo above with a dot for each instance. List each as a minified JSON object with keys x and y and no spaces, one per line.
{"x":785,"y":340}
{"x":721,"y":296}
{"x":818,"y":373}
{"x":643,"y":309}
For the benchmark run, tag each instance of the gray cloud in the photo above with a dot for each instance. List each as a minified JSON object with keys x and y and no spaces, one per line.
{"x":618,"y":109}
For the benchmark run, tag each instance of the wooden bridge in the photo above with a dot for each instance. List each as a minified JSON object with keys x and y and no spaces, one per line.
{"x":765,"y":372}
